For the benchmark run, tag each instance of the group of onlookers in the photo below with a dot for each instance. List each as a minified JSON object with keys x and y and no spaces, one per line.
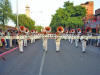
{"x":6,"y":42}
{"x":94,"y":42}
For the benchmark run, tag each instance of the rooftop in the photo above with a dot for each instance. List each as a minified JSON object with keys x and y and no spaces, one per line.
{"x":86,"y":3}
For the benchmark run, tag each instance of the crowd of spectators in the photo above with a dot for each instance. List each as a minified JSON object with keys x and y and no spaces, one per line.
{"x":6,"y":44}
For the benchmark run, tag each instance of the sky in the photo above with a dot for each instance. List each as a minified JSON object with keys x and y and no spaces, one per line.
{"x":41,"y":11}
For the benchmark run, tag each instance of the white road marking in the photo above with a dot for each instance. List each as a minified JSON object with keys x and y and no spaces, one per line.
{"x":42,"y":64}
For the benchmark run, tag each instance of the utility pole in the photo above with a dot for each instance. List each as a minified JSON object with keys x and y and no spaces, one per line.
{"x":17,"y":14}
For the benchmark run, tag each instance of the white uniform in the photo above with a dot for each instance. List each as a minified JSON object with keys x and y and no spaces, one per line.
{"x":25,"y":40}
{"x":32,"y":38}
{"x":9,"y":37}
{"x":98,"y":40}
{"x":83,"y":40}
{"x":69,"y":37}
{"x":21,"y":45}
{"x":83,"y":45}
{"x":58,"y":44}
{"x":20,"y":42}
{"x":10,"y":41}
{"x":76,"y":42}
{"x":45,"y":41}
{"x":77,"y":39}
{"x":72,"y":38}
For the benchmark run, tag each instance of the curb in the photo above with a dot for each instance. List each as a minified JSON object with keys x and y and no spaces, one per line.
{"x":11,"y":50}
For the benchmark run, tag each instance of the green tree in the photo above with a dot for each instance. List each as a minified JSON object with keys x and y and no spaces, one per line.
{"x":23,"y":20}
{"x":68,"y":16}
{"x":5,"y":11}
{"x":38,"y":28}
{"x":59,"y":19}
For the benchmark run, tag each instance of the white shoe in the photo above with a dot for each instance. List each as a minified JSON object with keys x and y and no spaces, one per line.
{"x":83,"y":51}
{"x":57,"y":50}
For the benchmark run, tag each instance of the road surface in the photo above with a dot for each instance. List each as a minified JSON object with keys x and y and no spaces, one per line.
{"x":69,"y":61}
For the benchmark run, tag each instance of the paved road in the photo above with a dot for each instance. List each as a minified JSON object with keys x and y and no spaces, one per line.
{"x":69,"y":61}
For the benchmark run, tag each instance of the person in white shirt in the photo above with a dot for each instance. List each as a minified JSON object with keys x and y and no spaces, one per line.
{"x":78,"y":33}
{"x":45,"y":41}
{"x":72,"y":35}
{"x":46,"y":31}
{"x":58,"y":39}
{"x":20,"y":41}
{"x":60,"y":30}
{"x":83,"y":41}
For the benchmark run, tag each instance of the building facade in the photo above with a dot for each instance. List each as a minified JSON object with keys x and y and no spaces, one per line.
{"x":97,"y":14}
{"x":93,"y":21}
{"x":89,"y":7}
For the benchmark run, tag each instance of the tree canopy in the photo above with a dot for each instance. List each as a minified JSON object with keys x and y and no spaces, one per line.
{"x":23,"y":20}
{"x":68,"y":16}
{"x":5,"y":11}
{"x":38,"y":28}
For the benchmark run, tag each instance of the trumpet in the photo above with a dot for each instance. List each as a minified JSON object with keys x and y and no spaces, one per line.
{"x":26,"y":30}
{"x":22,"y":28}
{"x":48,"y":29}
{"x":66,"y":31}
{"x":72,"y":31}
{"x":79,"y":30}
{"x":60,"y":29}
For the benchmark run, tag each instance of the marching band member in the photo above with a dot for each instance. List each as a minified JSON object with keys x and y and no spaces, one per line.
{"x":11,"y":38}
{"x":45,"y":42}
{"x":98,"y":40}
{"x":45,"y":39}
{"x":89,"y":33}
{"x":66,"y":34}
{"x":79,"y":31}
{"x":25,"y":40}
{"x":72,"y":34}
{"x":83,"y":40}
{"x":57,"y":42}
{"x":69,"y":36}
{"x":20,"y":39}
{"x":31,"y":36}
{"x":25,"y":37}
{"x":76,"y":39}
{"x":58,"y":39}
{"x":34,"y":36}
{"x":77,"y":36}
